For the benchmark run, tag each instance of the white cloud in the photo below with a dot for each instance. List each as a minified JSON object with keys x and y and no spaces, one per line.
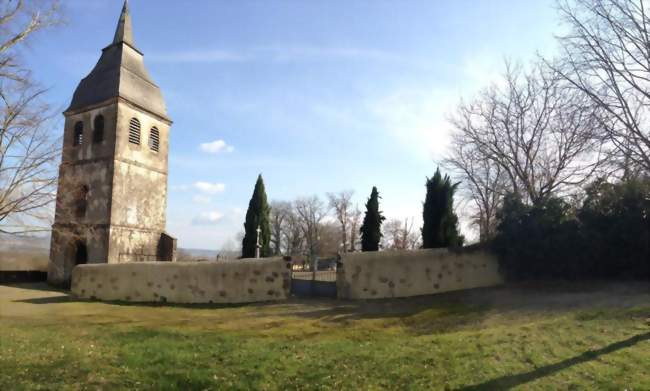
{"x":417,"y":118}
{"x":209,"y":188}
{"x":201,"y":199}
{"x":207,"y":218}
{"x":283,"y":53}
{"x":180,"y":187}
{"x":197,"y":56}
{"x":277,"y":53}
{"x":216,"y":146}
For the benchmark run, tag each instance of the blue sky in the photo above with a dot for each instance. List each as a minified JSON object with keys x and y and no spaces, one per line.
{"x":318,"y":96}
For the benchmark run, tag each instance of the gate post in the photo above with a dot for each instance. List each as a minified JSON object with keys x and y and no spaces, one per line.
{"x":314,"y":269}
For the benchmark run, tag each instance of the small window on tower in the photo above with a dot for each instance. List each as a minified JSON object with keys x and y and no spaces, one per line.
{"x":82,"y":201}
{"x":134,"y":131}
{"x":78,"y":134}
{"x":98,"y":133}
{"x":154,"y":139}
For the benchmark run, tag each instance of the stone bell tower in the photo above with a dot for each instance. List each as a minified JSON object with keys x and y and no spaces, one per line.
{"x":112,"y":190}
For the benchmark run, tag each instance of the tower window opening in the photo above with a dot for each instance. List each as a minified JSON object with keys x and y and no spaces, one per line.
{"x":134,"y":131}
{"x":78,"y":134}
{"x":82,"y":201}
{"x":98,"y":134}
{"x":154,"y":139}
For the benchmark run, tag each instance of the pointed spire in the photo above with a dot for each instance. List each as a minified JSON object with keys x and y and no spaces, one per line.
{"x":124,"y":31}
{"x":107,"y":80}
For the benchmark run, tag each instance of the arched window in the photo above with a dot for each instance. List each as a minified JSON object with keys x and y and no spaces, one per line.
{"x":82,"y":201}
{"x":98,"y":132}
{"x":78,"y":133}
{"x":134,"y":131}
{"x":154,"y":139}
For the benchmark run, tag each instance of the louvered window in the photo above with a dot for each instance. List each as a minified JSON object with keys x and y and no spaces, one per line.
{"x":134,"y":131}
{"x":78,"y":133}
{"x":98,"y":132}
{"x":154,"y":139}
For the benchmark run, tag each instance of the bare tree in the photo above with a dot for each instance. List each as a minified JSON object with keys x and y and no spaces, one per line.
{"x":28,"y":151}
{"x":392,"y":230}
{"x":341,"y":203}
{"x":329,"y":239}
{"x":229,"y":250}
{"x":606,"y":57}
{"x":293,"y":236}
{"x":355,"y":224}
{"x":411,"y":238}
{"x":280,"y":211}
{"x":539,"y":132}
{"x":483,"y":183}
{"x":400,"y":235}
{"x":310,"y":211}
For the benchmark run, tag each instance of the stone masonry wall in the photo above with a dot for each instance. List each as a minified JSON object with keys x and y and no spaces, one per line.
{"x":374,"y":275}
{"x":63,"y":248}
{"x":233,"y":281}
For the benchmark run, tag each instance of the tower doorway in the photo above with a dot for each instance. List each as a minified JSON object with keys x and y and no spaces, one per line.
{"x":81,"y":254}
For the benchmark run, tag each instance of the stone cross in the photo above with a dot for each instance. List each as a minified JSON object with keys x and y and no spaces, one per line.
{"x":257,"y":244}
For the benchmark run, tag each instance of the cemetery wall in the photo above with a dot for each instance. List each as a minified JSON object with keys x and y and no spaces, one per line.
{"x":385,"y":274}
{"x":228,"y":281}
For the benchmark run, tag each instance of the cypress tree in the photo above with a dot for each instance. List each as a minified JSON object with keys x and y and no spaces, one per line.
{"x":371,"y":228}
{"x":440,"y":228}
{"x":257,"y":215}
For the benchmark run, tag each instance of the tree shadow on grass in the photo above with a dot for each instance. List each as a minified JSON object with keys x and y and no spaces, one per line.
{"x":451,"y":310}
{"x":33,"y":286}
{"x":48,"y":300}
{"x":422,"y":315}
{"x":67,"y":298}
{"x":510,"y":381}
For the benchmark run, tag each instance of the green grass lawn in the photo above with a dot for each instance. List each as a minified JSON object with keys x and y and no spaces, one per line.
{"x":592,"y":336}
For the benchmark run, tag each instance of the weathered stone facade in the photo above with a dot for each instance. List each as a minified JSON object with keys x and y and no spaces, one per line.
{"x":388,"y":274}
{"x":230,"y":281}
{"x":112,"y":190}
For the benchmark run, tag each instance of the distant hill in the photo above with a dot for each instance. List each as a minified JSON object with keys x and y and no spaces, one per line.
{"x":25,"y":243}
{"x":197,"y":252}
{"x":185,"y":254}
{"x":41,"y":245}
{"x":24,"y":252}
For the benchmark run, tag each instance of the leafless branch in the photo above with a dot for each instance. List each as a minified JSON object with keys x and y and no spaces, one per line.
{"x":28,"y":151}
{"x":533,"y":135}
{"x":606,"y":56}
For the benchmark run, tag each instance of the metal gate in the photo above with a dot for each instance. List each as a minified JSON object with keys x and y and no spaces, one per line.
{"x":314,"y":283}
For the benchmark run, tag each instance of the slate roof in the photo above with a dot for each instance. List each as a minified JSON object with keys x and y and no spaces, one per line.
{"x":120,"y":72}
